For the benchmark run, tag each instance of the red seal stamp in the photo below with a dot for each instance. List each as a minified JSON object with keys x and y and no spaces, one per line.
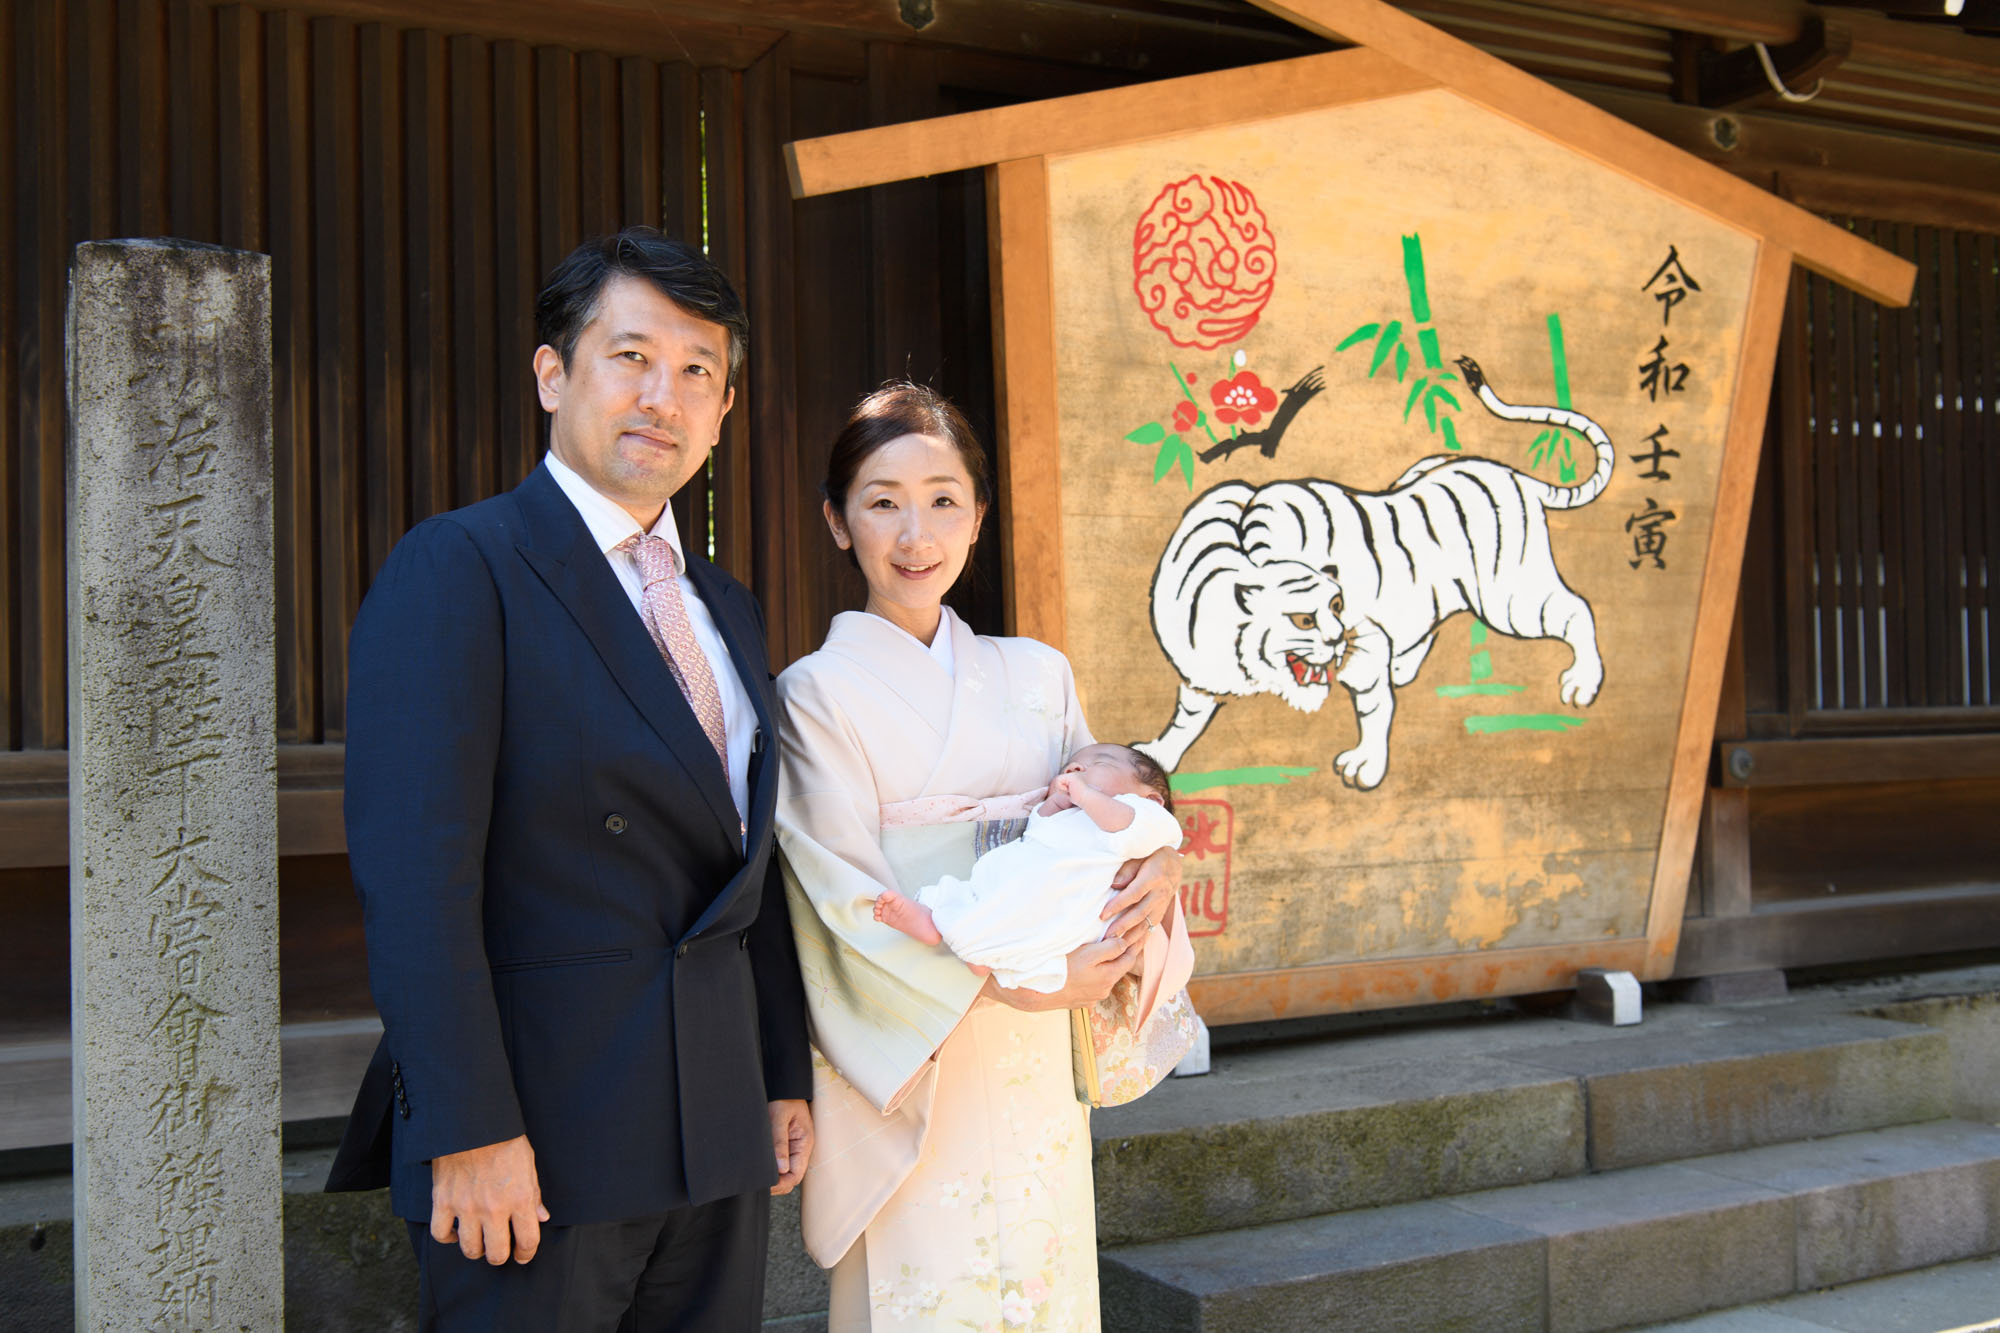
{"x":1203,"y":261}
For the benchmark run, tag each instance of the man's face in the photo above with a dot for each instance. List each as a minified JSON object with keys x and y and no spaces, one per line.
{"x":641,"y":403}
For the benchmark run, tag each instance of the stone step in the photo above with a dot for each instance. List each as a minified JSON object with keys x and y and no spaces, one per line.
{"x":1601,"y":1251}
{"x":1276,"y":1134}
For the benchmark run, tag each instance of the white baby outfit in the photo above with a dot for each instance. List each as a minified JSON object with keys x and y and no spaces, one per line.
{"x":1030,"y":902}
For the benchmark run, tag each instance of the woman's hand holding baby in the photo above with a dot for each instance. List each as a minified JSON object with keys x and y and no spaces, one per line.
{"x":1093,"y":970}
{"x":1146,"y":891}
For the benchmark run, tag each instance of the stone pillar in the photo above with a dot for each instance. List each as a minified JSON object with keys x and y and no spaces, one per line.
{"x":173,"y":790}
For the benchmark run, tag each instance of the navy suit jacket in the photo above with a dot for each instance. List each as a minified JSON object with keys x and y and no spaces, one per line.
{"x":566,"y":937}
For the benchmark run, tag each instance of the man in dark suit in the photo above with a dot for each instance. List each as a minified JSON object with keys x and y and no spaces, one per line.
{"x":561,"y":771}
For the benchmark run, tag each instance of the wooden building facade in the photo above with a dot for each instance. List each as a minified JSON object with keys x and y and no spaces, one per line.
{"x":414,"y":169}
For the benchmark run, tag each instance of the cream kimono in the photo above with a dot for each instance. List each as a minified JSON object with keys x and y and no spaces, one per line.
{"x":950,"y":1140}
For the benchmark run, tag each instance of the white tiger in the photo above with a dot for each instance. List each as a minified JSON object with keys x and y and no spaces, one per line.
{"x":1272,"y":589}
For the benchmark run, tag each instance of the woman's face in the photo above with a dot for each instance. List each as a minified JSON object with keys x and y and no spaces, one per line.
{"x":910,"y":519}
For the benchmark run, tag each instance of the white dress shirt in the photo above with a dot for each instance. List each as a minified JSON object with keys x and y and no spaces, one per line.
{"x":609,"y":525}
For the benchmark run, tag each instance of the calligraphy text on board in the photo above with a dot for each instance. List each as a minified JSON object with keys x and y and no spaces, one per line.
{"x":1208,"y":828}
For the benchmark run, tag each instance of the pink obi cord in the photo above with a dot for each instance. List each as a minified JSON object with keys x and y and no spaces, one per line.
{"x":961,"y":809}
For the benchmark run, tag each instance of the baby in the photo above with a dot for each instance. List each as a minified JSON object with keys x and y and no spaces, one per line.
{"x":1030,"y":902}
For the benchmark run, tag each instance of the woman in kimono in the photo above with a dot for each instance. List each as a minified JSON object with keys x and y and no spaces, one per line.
{"x":950,"y":1185}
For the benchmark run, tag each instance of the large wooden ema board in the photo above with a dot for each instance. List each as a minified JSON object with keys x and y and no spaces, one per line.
{"x":1380,"y":450}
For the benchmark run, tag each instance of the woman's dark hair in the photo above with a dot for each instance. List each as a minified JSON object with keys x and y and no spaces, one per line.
{"x":682,"y":274}
{"x":897,"y":409}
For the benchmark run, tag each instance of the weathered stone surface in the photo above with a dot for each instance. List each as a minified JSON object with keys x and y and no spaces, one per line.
{"x":1745,"y":1084}
{"x":1954,"y":1296}
{"x":1732,"y":987}
{"x":1971,"y":1026}
{"x":347,"y":1261}
{"x":173,"y":794}
{"x":36,"y":1275}
{"x":1885,"y":1201}
{"x":1274,"y":1135}
{"x":794,"y":1286}
{"x":1422,"y":1267}
{"x":348,"y":1265}
{"x":1651,"y":1243}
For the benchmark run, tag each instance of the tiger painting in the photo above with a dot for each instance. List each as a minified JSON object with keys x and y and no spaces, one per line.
{"x":1284,"y":588}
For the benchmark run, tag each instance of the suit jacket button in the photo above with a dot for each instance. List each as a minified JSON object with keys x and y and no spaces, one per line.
{"x":743,"y":940}
{"x":681,"y":952}
{"x":614,"y":823}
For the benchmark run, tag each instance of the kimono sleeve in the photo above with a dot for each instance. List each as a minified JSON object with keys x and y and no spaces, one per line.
{"x":880,"y":1001}
{"x":1076,"y":732}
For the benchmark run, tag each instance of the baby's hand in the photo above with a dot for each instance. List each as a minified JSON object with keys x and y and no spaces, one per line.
{"x":1067,"y":783}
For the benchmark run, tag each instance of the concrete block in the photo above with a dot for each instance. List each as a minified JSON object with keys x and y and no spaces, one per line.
{"x":1749,"y":1319}
{"x":1649,"y":1244}
{"x":1963,"y":1296}
{"x":1743,"y":1084}
{"x":1971,"y":1028}
{"x":1605,"y":995}
{"x":1882,"y":1202}
{"x":1731,"y":987}
{"x":1424,"y":1267}
{"x":1269,"y":1136}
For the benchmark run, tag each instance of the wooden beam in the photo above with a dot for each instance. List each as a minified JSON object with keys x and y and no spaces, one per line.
{"x":322,"y":1064}
{"x":1725,"y":853}
{"x":1389,"y":983}
{"x":1877,"y":176}
{"x":34,"y":804}
{"x":1908,"y":924}
{"x":1737,"y":78}
{"x":1832,"y":761}
{"x":1877,"y":39}
{"x":1708,"y":657}
{"x":734,"y":34}
{"x":1024,"y":377}
{"x":1094,"y":120}
{"x":1575,"y":123}
{"x":733,"y":38}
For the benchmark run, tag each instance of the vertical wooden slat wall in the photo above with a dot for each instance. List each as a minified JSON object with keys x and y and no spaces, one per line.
{"x":12,"y":60}
{"x":1894,"y":516}
{"x":411,"y":186}
{"x":849,"y":290}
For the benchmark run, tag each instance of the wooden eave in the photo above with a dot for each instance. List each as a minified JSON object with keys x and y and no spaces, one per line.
{"x":1877,"y":39}
{"x":1146,"y":37}
{"x":1394,"y":54}
{"x":1131,"y":37}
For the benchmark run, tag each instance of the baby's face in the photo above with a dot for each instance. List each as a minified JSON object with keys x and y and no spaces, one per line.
{"x":1107,"y":769}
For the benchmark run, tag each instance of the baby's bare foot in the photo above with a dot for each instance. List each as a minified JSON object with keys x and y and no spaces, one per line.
{"x":907,"y":915}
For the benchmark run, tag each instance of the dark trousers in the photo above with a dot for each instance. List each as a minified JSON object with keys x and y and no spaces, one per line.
{"x":695,"y":1270}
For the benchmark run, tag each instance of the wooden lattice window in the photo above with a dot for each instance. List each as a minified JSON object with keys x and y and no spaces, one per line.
{"x":1892,"y":493}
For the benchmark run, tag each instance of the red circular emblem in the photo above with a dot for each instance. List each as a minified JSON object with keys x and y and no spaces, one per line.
{"x":1203,"y":262}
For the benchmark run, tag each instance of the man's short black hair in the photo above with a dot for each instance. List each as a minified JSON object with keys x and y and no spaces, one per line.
{"x":682,"y":273}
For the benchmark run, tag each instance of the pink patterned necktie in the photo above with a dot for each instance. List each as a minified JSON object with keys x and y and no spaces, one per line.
{"x":666,"y":617}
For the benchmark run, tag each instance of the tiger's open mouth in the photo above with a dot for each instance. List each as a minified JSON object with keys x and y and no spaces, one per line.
{"x":1304,"y":672}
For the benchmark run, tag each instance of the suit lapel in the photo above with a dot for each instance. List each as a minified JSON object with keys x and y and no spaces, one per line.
{"x":748,"y":659}
{"x":560,"y":549}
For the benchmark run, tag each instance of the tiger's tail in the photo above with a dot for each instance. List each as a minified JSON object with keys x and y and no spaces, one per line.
{"x":1555,"y":497}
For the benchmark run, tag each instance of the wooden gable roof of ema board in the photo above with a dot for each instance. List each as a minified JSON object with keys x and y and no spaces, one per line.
{"x":1393,"y":54}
